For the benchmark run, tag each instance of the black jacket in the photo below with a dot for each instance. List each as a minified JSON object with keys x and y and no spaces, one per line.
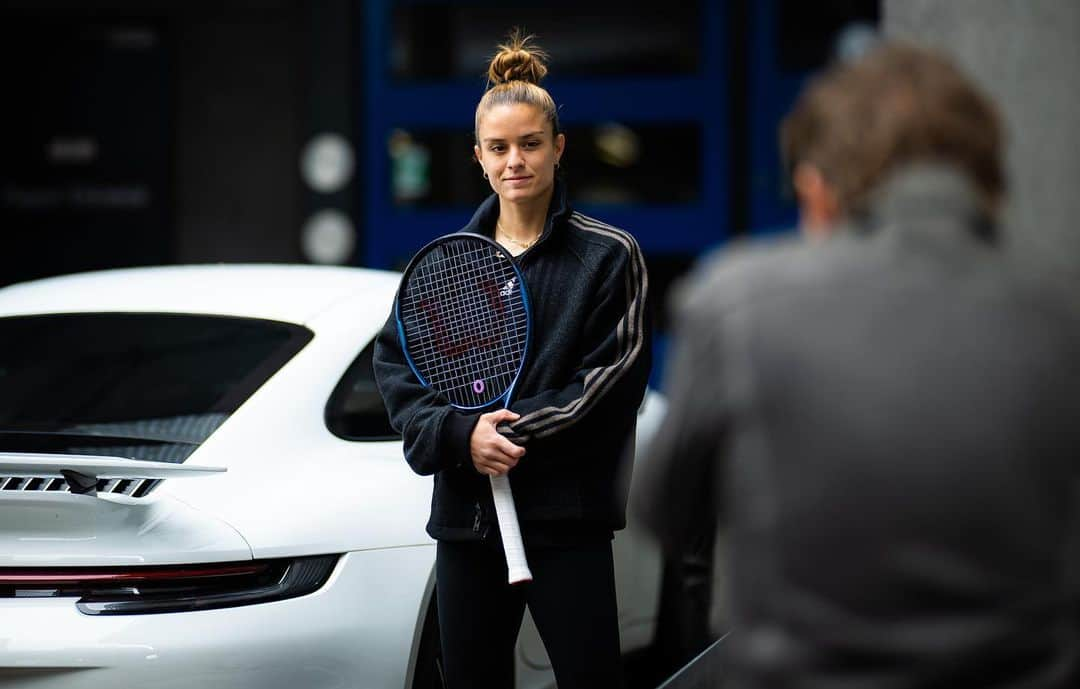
{"x":578,"y":397}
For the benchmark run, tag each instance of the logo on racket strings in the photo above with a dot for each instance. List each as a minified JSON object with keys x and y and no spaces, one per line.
{"x":508,"y":288}
{"x":478,"y":387}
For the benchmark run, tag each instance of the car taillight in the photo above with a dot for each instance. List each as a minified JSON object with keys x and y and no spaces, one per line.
{"x":175,"y":588}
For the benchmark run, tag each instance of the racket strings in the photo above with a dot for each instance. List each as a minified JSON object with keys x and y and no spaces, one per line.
{"x":465,"y":322}
{"x":460,"y":366}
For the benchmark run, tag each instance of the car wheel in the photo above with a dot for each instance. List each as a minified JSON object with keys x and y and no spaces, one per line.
{"x":429,"y":668}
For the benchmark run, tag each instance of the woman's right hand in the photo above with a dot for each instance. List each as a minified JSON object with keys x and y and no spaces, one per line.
{"x":492,"y":453}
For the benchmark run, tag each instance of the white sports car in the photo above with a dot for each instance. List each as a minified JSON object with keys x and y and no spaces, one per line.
{"x":199,"y":488}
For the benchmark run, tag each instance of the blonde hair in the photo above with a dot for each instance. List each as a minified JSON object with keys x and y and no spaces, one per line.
{"x":514,"y":76}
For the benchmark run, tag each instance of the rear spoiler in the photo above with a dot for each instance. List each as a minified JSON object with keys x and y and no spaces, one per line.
{"x":84,"y":471}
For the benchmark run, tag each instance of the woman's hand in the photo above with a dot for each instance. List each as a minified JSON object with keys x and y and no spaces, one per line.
{"x":492,"y":453}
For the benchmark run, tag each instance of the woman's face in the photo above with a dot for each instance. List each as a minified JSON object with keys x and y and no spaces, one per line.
{"x":518,"y":152}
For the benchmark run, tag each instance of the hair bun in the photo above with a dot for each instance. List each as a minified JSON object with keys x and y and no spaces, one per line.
{"x":517,"y":60}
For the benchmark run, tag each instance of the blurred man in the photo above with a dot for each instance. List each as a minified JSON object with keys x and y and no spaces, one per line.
{"x":889,"y":414}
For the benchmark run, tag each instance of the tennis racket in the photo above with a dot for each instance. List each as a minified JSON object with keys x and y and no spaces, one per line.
{"x":463,"y":319}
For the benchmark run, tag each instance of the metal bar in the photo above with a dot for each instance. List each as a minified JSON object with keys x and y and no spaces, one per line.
{"x":703,"y":672}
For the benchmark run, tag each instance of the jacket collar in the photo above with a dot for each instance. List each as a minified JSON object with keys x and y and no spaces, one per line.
{"x":928,"y":198}
{"x":559,"y":210}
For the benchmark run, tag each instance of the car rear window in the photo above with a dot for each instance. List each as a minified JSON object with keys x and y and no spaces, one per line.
{"x":144,"y":386}
{"x":355,"y":410}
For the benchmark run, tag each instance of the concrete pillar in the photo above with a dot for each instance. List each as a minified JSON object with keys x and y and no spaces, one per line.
{"x":1026,"y":55}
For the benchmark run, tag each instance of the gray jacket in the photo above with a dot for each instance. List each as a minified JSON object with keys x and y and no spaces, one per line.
{"x":890,"y":423}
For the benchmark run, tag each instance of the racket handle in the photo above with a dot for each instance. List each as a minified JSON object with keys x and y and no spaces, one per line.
{"x":514,"y":549}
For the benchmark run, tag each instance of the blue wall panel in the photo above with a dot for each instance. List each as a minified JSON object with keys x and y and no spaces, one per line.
{"x":391,"y":233}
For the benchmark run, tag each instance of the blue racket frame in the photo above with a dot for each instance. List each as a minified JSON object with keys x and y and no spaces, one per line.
{"x":427,"y":248}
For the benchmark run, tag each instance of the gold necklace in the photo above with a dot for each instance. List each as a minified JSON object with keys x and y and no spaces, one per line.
{"x":516,"y":242}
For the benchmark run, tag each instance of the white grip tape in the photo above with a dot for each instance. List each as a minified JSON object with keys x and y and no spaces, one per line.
{"x":516,"y":565}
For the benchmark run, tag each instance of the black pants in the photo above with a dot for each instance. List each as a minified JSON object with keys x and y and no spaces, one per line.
{"x":572,"y":601}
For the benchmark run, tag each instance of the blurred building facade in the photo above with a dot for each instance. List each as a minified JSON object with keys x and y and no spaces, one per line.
{"x":339,"y":131}
{"x":141,"y":132}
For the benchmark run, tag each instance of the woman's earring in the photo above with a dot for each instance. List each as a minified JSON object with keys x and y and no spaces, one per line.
{"x":484,"y":173}
{"x":556,"y":165}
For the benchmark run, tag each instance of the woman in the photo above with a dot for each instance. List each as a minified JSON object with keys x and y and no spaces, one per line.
{"x":573,"y":412}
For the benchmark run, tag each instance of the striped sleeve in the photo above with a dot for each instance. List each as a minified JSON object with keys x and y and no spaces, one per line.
{"x":616,"y":363}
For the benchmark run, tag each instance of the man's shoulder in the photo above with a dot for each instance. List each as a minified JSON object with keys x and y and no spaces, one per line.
{"x":747,"y":272}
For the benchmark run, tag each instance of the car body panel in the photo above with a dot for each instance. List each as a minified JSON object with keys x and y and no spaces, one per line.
{"x":61,"y":529}
{"x":347,"y":639}
{"x":362,"y":495}
{"x":638,"y":560}
{"x":290,"y":293}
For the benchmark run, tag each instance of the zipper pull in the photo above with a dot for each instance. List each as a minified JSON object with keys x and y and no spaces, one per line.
{"x":476,"y":521}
